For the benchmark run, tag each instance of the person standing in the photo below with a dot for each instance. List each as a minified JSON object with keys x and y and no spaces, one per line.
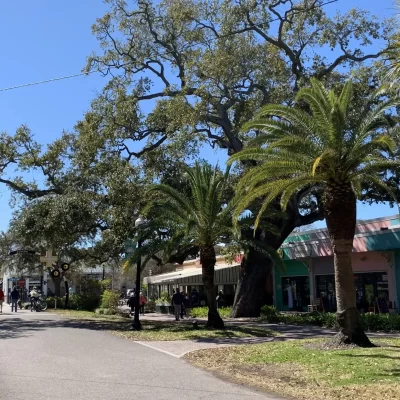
{"x":14,"y":299}
{"x":142,"y":302}
{"x":1,"y":299}
{"x":177,"y":303}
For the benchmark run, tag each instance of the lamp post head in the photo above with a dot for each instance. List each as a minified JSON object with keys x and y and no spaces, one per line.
{"x":140,"y":221}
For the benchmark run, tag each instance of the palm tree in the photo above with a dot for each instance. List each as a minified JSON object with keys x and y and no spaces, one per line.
{"x":393,"y":57}
{"x":201,"y":218}
{"x":318,"y":149}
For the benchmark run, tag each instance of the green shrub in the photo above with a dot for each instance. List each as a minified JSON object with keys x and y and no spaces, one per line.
{"x":51,"y":301}
{"x":85,"y":301}
{"x":164,"y":297}
{"x":109,"y":311}
{"x":270,"y":314}
{"x":202,"y":312}
{"x":110,"y":299}
{"x":106,"y":311}
{"x":150,"y":306}
{"x":380,"y":322}
{"x":369,"y":322}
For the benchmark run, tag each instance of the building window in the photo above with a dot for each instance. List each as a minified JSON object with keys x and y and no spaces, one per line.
{"x":296,"y":292}
{"x":369,"y":288}
{"x":325,"y":285}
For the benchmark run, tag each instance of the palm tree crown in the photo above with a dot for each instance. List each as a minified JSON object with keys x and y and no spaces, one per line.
{"x":297,"y":149}
{"x":200,"y":215}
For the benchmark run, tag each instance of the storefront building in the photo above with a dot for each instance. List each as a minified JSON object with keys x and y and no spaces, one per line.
{"x":188,"y":277}
{"x":309,"y":275}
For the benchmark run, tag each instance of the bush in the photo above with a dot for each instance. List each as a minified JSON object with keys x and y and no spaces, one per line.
{"x":164,"y":298}
{"x":202,"y":312}
{"x":110,"y":299}
{"x":150,"y":306}
{"x":270,"y":314}
{"x":106,"y":311}
{"x":51,"y":301}
{"x":85,"y":301}
{"x":369,"y":322}
{"x":380,"y":322}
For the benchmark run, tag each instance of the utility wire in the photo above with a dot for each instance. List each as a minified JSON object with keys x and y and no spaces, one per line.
{"x":192,"y":45}
{"x":47,"y":80}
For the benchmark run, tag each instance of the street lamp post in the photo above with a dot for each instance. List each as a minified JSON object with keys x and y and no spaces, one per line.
{"x":136,"y":325}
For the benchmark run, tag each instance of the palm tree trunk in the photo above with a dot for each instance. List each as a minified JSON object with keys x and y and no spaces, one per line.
{"x":208,"y":260}
{"x":340,"y":213}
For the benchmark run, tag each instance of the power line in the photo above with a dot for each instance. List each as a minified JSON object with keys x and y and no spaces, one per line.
{"x":207,"y":42}
{"x":47,"y":80}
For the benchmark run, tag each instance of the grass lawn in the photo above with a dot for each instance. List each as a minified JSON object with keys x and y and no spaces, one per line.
{"x":159,"y":330}
{"x":294,"y":368}
{"x":185,"y":331}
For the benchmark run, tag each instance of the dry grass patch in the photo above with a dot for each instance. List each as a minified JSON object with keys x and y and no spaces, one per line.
{"x":297,"y":370}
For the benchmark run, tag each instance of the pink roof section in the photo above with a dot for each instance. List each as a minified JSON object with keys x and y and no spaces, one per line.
{"x":316,"y":243}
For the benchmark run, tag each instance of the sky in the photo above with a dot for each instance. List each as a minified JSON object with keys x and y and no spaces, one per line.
{"x":46,"y":39}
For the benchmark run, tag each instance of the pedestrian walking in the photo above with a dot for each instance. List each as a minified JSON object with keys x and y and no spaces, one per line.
{"x":183,"y":307}
{"x":177,"y":303}
{"x":131,"y":302}
{"x":142,"y":302}
{"x":1,"y":300}
{"x":188,"y":305}
{"x":14,"y":299}
{"x":195,"y":297}
{"x":220,"y":299}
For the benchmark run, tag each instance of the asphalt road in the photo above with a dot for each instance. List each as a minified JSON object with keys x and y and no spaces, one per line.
{"x":46,"y":357}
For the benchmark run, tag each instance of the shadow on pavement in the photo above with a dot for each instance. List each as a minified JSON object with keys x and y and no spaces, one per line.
{"x":13,"y":328}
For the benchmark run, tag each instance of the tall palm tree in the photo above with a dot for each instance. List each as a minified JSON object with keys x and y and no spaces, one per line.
{"x":200,"y":218}
{"x":297,"y":150}
{"x":393,"y":57}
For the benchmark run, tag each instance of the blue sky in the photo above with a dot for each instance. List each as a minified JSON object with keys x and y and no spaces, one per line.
{"x":46,"y":39}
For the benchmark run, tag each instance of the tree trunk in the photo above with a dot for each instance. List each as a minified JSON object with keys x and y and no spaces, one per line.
{"x":208,"y":260}
{"x":250,"y":293}
{"x":340,"y":213}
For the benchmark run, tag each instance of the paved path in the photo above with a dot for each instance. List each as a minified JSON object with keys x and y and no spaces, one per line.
{"x":46,"y":357}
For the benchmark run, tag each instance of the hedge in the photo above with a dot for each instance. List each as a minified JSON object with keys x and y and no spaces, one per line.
{"x":370,"y":322}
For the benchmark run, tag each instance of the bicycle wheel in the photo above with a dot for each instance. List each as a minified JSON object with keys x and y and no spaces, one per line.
{"x":43,"y":305}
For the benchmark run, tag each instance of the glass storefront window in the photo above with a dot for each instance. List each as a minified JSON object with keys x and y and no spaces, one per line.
{"x":296,"y":292}
{"x":369,"y":288}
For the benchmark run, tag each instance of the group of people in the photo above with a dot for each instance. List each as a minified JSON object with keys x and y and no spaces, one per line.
{"x":15,"y":296}
{"x":132,"y":301}
{"x":183,"y":302}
